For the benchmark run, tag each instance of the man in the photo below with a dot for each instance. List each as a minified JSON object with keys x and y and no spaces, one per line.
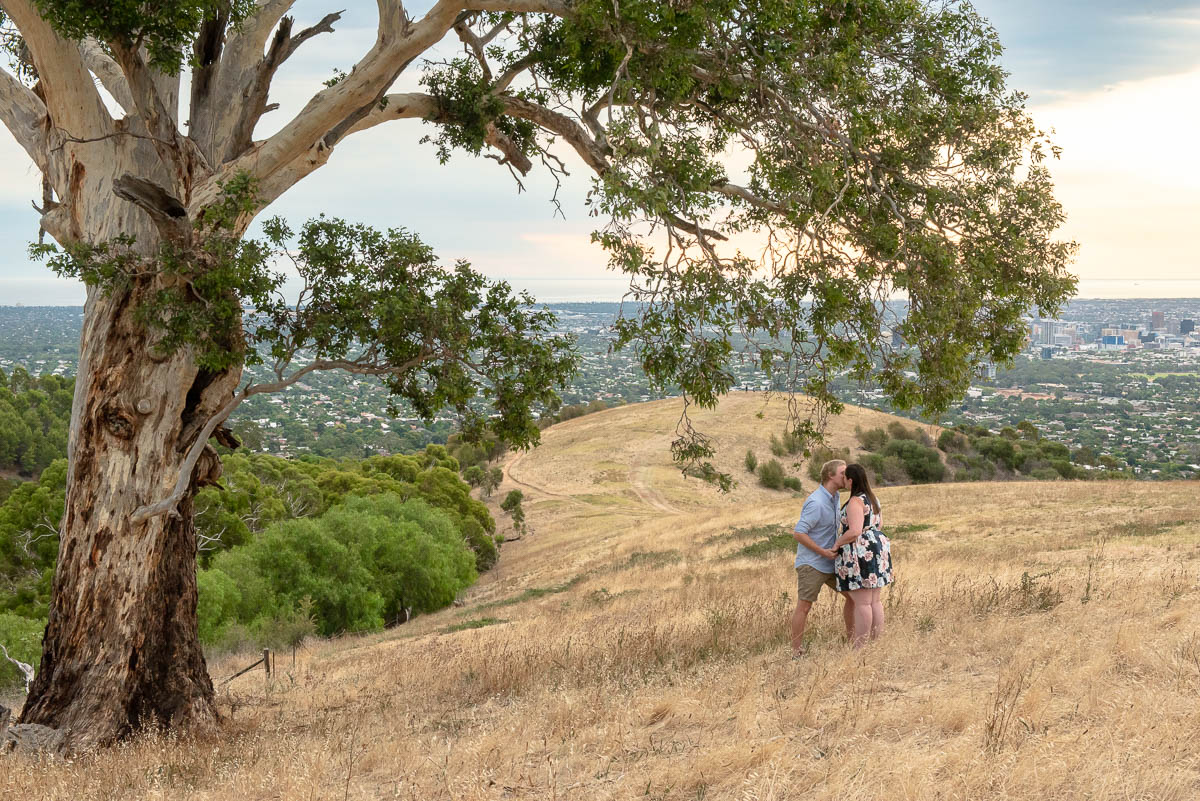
{"x":815,"y":534}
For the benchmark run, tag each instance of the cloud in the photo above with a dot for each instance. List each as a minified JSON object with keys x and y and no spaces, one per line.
{"x":1129,"y":177}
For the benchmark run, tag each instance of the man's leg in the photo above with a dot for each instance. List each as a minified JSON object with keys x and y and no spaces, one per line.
{"x":799,"y":620}
{"x":848,"y":616}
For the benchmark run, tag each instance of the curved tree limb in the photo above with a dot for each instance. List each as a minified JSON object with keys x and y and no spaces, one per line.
{"x":254,"y":104}
{"x":71,"y":98}
{"x":184,"y":481}
{"x":24,"y":115}
{"x":178,"y":154}
{"x":110,"y":75}
{"x":339,"y":109}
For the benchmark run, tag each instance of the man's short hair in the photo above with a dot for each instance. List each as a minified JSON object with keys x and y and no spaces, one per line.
{"x":830,"y":468}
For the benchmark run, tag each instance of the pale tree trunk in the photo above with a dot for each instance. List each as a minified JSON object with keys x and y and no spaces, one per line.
{"x":121,"y":648}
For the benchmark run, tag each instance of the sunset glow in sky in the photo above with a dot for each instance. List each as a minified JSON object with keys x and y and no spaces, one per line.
{"x":1118,"y":82}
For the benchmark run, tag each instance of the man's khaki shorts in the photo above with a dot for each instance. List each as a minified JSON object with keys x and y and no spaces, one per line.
{"x":809,"y":581}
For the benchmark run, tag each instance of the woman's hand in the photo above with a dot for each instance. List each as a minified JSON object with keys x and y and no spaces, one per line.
{"x":854,"y":522}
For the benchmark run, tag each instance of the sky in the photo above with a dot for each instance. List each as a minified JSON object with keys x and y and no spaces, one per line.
{"x":1118,"y":83}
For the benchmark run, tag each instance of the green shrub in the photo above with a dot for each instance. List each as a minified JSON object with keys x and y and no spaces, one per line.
{"x":922,"y":463}
{"x":1000,"y":450}
{"x":792,"y":483}
{"x":872,"y":439}
{"x":512,"y":505}
{"x":1063,"y":468}
{"x":952,"y":442}
{"x":1046,"y":474}
{"x":751,"y":461}
{"x":1054,"y":451}
{"x":363,"y":563}
{"x":892,"y":470}
{"x":771,"y":474}
{"x":484,"y":545}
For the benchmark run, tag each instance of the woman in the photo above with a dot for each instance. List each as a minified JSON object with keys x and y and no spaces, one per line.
{"x":863,"y":565}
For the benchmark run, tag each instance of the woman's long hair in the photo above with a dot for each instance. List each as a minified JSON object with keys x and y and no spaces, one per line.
{"x":860,"y":484}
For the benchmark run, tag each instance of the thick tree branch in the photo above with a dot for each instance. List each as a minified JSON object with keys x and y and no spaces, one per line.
{"x":336,"y":109}
{"x":415,"y":105}
{"x":24,"y":115}
{"x":324,"y":26}
{"x":110,"y":75}
{"x":206,"y":59}
{"x":71,"y":98}
{"x":254,"y":104}
{"x":184,"y":481}
{"x":301,"y":145}
{"x":168,"y":213}
{"x":509,"y":75}
{"x":229,"y":59}
{"x":592,"y":153}
{"x":475,"y":45}
{"x":178,"y":154}
{"x":555,"y":7}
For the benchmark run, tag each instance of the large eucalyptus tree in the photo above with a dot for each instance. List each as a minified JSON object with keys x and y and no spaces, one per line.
{"x":878,"y":152}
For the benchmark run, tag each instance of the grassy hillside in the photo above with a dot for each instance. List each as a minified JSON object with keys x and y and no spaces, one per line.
{"x":1044,"y":641}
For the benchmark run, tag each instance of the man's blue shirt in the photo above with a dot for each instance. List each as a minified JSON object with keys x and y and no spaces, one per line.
{"x":819,"y":520}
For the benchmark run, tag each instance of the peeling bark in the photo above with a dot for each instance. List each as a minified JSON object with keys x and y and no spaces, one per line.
{"x":121,"y":648}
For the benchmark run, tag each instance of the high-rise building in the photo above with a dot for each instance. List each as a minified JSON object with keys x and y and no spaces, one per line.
{"x":1158,"y":319}
{"x":1046,"y":332}
{"x":1187,"y":326}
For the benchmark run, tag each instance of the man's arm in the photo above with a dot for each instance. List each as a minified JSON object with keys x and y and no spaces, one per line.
{"x":807,"y":541}
{"x":810,"y":515}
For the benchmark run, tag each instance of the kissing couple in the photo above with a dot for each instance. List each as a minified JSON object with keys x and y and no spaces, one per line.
{"x":842,"y":547}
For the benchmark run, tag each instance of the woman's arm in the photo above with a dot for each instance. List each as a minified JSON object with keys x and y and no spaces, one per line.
{"x":854,"y":522}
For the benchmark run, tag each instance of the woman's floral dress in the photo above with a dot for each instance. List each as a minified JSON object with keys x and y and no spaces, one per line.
{"x":865,"y":563}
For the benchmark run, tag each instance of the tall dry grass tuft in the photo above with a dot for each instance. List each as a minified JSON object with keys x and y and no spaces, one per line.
{"x":1043,"y":641}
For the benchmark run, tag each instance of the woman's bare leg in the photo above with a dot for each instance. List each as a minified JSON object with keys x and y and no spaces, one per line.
{"x":862,"y":616}
{"x":876,"y":613}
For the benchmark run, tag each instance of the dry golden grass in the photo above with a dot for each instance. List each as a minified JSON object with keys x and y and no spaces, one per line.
{"x":1043,"y":642}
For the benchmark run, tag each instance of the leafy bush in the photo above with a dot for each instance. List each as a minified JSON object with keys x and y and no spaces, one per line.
{"x":792,"y":483}
{"x":1054,"y":451}
{"x":771,"y":474}
{"x":363,"y":563}
{"x":512,"y":505}
{"x":892,"y":470}
{"x":1063,"y":468}
{"x":871,"y":439}
{"x":952,"y":442}
{"x":922,"y":463}
{"x":751,"y":461}
{"x":999,"y":450}
{"x":789,"y":444}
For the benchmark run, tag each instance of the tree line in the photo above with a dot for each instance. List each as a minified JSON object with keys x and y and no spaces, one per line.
{"x":286,"y":547}
{"x":35,"y":415}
